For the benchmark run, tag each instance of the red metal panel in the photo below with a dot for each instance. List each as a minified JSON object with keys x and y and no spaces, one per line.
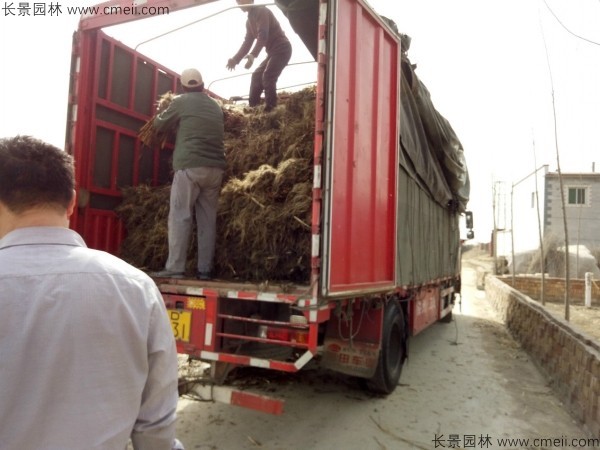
{"x":425,"y":309}
{"x":104,"y":140}
{"x":363,"y":154}
{"x":103,"y":230}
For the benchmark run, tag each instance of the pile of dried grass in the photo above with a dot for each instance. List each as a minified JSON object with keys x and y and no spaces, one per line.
{"x":287,"y":132}
{"x":553,"y":257}
{"x":144,"y":211}
{"x":263,"y":223}
{"x":596,"y":253}
{"x":264,"y":232}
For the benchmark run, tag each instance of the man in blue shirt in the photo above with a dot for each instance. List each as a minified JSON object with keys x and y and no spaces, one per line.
{"x":87,"y":354}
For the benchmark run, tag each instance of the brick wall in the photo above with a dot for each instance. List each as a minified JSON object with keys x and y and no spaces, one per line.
{"x":570,"y":359}
{"x":554,"y":288}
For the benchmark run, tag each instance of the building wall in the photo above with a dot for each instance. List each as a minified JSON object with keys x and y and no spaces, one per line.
{"x":520,"y":199}
{"x":583,"y":220}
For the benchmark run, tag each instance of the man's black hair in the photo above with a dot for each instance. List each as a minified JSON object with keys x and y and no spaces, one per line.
{"x":34,"y":174}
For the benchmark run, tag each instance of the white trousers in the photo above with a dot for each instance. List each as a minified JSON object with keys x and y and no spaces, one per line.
{"x":193,"y":191}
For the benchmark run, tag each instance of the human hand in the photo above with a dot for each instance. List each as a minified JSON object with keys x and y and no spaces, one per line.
{"x":250,"y":61}
{"x":230,"y":64}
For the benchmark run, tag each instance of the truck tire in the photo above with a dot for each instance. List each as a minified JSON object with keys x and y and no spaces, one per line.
{"x":393,"y":351}
{"x":447,"y":318}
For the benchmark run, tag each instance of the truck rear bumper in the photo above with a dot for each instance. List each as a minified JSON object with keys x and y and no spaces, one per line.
{"x":210,"y":393}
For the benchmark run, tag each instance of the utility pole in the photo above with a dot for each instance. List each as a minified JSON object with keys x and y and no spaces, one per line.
{"x":512,"y":226}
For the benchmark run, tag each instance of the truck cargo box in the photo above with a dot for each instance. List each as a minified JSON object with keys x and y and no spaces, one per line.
{"x":384,"y":238}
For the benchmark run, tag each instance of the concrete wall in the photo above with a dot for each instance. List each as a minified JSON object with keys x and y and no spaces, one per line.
{"x":569,"y":358}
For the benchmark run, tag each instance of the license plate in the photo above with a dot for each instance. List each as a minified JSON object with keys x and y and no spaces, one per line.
{"x":180,"y":323}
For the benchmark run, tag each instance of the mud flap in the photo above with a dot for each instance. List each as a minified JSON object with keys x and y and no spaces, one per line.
{"x":350,"y":357}
{"x":352,"y":342}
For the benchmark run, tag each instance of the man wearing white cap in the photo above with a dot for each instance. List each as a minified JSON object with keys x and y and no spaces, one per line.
{"x":199,"y":164}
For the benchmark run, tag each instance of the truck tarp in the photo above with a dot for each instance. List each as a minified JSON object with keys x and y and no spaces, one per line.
{"x":303,"y":16}
{"x":430,"y":148}
{"x":428,"y":235}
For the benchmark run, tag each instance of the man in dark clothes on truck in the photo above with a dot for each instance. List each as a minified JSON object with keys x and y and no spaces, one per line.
{"x":199,"y":164}
{"x":263,"y":27}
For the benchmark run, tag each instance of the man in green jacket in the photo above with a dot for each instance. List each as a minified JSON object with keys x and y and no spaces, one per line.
{"x":199,"y":164}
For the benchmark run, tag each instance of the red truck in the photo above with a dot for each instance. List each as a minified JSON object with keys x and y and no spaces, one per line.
{"x":390,"y":184}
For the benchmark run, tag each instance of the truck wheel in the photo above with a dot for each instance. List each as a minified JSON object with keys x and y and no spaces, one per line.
{"x":393,"y":351}
{"x":447,"y":318}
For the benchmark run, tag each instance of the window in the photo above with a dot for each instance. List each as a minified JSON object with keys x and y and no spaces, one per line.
{"x":576,"y":195}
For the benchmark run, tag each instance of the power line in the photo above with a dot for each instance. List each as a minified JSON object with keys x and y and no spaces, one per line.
{"x":569,"y":31}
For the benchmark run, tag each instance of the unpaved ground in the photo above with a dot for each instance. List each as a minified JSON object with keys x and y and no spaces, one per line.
{"x":465,"y":381}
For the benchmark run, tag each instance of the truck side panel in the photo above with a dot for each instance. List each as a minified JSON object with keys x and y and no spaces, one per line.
{"x":428,"y":236}
{"x":359,"y":251}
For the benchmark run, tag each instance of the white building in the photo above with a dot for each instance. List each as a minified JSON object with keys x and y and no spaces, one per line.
{"x":521,"y":205}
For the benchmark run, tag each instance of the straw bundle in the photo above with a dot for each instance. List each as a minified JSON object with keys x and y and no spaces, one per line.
{"x":149,"y":136}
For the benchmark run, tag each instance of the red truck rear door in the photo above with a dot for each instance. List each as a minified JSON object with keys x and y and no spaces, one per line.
{"x":113,"y":92}
{"x":361,"y":152}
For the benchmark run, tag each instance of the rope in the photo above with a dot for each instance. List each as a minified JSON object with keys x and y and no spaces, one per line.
{"x":199,"y":20}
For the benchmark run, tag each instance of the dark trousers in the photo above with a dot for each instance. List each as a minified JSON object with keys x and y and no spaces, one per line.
{"x":265,"y":76}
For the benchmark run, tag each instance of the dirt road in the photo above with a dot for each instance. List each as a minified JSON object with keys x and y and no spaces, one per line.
{"x":466,"y":385}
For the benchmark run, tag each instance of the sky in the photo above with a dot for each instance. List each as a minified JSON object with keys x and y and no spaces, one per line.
{"x":492,"y":68}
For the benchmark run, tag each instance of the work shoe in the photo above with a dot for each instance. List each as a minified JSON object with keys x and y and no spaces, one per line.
{"x":166,"y":274}
{"x":203,"y":276}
